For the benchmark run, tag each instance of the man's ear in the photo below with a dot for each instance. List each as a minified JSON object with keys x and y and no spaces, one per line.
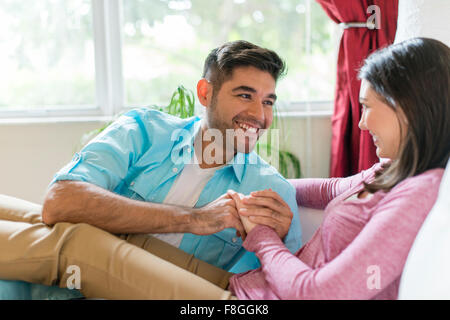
{"x":204,"y":92}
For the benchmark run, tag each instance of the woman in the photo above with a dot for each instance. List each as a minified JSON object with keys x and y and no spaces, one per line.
{"x":372,"y":218}
{"x":359,"y":250}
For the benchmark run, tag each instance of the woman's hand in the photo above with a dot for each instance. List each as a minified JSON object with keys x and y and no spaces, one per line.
{"x":238,"y":197}
{"x":266,"y":207}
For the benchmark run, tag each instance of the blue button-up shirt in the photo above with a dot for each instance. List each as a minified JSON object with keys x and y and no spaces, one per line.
{"x":140,"y":155}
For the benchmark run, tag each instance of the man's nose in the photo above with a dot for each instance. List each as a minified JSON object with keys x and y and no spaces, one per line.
{"x":256,"y":110}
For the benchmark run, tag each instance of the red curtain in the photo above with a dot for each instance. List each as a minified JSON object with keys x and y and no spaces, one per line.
{"x":352,"y":150}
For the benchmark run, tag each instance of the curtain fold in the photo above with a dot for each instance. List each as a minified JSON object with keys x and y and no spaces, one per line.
{"x":353,"y":150}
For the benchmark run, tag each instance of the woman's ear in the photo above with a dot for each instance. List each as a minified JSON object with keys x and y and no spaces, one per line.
{"x":204,"y":92}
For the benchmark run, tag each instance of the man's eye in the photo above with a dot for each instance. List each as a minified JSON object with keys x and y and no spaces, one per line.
{"x":245,"y":96}
{"x":268,"y":102}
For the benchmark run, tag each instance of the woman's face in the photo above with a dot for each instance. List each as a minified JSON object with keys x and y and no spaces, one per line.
{"x":382,"y":122}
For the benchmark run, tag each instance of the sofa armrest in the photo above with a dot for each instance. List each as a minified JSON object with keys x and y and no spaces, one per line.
{"x":310,"y":220}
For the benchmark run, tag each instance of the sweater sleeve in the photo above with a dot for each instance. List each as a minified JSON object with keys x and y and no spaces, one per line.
{"x":372,"y":261}
{"x":318,"y":192}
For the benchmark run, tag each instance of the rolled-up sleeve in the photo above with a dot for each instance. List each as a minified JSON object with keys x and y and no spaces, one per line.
{"x":105,"y":160}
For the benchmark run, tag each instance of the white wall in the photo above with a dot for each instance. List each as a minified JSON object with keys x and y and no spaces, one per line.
{"x":32,"y":152}
{"x":423,"y":18}
{"x":309,"y":138}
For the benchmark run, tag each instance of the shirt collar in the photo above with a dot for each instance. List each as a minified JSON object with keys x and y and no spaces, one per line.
{"x":239,"y":164}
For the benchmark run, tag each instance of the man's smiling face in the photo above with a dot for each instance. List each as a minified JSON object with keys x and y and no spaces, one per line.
{"x":244,"y":104}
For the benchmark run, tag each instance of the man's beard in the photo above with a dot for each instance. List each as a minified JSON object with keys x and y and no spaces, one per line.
{"x":233,"y":140}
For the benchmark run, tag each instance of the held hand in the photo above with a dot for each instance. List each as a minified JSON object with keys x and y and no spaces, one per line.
{"x":266,"y":207}
{"x":216,"y":216}
{"x":238,"y":197}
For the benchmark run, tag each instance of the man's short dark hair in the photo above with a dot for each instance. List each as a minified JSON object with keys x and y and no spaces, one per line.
{"x":221,"y":61}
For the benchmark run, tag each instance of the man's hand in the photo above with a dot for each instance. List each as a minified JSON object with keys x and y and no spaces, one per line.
{"x":266,"y":207}
{"x":238,"y":197}
{"x":216,"y":216}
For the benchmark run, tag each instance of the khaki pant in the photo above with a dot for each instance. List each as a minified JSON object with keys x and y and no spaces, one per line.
{"x":111,"y":267}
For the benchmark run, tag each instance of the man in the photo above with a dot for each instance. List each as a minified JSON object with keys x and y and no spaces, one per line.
{"x":132,"y":159}
{"x":130,"y":181}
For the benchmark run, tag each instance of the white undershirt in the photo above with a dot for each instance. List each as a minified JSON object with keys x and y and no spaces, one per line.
{"x":185,"y":191}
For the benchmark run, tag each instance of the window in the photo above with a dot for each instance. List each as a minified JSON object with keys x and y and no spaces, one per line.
{"x":105,"y":55}
{"x":46,"y":54}
{"x":165,"y":43}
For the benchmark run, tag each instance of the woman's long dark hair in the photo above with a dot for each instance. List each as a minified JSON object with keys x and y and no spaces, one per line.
{"x":413,"y":76}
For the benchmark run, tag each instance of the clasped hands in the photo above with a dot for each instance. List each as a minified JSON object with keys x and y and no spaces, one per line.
{"x":234,"y":210}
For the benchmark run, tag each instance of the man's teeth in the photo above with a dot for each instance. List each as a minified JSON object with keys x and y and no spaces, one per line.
{"x":248,"y":128}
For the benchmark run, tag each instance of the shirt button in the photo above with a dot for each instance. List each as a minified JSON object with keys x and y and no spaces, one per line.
{"x":188,"y":149}
{"x":234,"y":239}
{"x":175,"y":170}
{"x":132,"y":183}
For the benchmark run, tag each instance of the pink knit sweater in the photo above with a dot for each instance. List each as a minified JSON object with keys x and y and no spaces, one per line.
{"x":359,"y":250}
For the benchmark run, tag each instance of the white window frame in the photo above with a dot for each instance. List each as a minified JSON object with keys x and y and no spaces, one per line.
{"x":108,"y":55}
{"x":109,"y":81}
{"x":107,"y":36}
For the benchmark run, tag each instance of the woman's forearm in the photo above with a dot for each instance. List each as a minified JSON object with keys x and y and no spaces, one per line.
{"x":318,"y":192}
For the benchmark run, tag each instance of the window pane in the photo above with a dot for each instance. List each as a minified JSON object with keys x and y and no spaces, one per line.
{"x":46,"y":54}
{"x":166,"y":42}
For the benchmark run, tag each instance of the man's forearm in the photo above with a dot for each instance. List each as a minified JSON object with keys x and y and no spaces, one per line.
{"x":81,"y":202}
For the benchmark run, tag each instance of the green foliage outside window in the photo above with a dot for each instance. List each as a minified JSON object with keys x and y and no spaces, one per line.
{"x":47,"y":47}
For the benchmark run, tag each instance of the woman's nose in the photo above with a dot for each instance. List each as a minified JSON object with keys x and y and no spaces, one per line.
{"x":362,"y":123}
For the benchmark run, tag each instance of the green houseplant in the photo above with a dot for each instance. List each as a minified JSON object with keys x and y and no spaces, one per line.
{"x":182,"y":104}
